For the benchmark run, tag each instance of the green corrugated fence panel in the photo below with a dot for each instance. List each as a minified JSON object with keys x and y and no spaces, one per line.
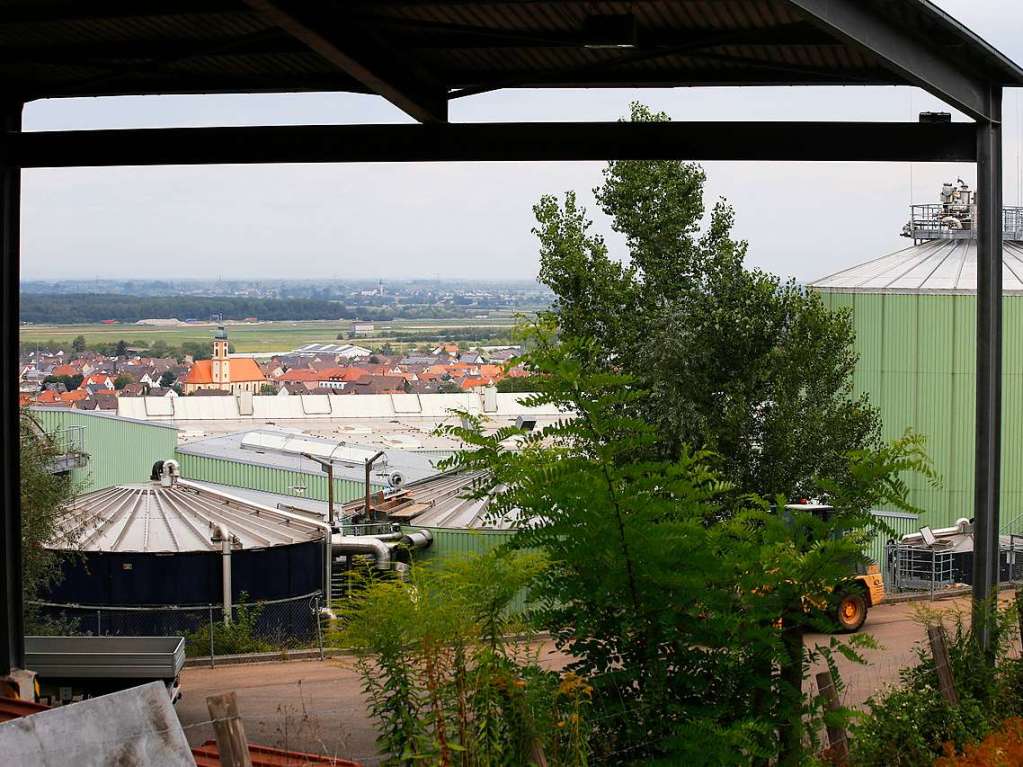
{"x":120,"y":450}
{"x":455,"y":542}
{"x":269,"y":479}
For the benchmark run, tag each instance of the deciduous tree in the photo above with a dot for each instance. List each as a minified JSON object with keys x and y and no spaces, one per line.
{"x":45,"y":496}
{"x":732,"y":359}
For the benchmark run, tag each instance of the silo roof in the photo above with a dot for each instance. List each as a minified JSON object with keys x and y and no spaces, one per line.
{"x":935,"y":266}
{"x":150,"y":518}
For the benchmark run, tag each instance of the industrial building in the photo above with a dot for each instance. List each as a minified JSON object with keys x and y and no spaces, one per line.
{"x":116,"y":450}
{"x":285,"y":462}
{"x":915,"y":316}
{"x":407,"y":407}
{"x":441,"y":505}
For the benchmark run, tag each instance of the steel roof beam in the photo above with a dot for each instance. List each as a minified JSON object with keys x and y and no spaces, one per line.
{"x":12,"y":616}
{"x":900,"y":52}
{"x":886,"y":142}
{"x":515,"y":142}
{"x":988,"y":436}
{"x":354,"y":51}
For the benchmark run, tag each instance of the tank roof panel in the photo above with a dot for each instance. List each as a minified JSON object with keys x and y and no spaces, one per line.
{"x":151,"y":518}
{"x":936,"y":266}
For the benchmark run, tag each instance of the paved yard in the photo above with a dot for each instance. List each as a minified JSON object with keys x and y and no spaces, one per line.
{"x":317,"y":706}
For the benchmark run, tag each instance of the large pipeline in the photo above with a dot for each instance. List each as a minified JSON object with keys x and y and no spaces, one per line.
{"x":379,"y":547}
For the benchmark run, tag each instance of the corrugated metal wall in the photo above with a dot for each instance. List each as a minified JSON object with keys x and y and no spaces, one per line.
{"x":120,"y":450}
{"x":917,"y":363}
{"x":900,"y":522}
{"x":268,"y":478}
{"x":454,"y":541}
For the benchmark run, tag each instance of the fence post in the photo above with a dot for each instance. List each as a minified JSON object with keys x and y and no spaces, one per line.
{"x":936,"y":636}
{"x":319,"y":633}
{"x":99,"y":626}
{"x":837,"y":740}
{"x":212,"y":663}
{"x":1019,"y":612}
{"x":232,"y":744}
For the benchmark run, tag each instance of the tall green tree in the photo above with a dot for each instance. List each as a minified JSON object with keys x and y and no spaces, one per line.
{"x":78,"y":344}
{"x":733,"y":359}
{"x":684,"y":607}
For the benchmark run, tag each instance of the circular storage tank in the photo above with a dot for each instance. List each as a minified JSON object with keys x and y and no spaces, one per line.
{"x":153,"y":544}
{"x":915,"y":316}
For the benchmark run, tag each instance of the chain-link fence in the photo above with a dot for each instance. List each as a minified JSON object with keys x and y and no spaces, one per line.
{"x":262,"y":626}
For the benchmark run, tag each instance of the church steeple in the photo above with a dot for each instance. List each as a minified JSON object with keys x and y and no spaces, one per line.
{"x":221,"y":360}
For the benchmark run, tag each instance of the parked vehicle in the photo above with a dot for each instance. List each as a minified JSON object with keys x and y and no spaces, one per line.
{"x":72,"y":668}
{"x":856,"y":594}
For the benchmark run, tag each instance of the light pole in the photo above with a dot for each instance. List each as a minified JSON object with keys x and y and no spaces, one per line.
{"x":369,"y":468}
{"x":328,"y":553}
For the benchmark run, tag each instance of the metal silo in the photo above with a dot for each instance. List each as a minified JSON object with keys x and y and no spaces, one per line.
{"x":915,"y":318}
{"x":174,"y":543}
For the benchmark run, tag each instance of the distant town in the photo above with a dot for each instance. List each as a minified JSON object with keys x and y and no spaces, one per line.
{"x":147,"y":343}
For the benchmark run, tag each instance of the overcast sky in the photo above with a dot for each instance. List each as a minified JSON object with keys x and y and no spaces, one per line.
{"x":464,"y":219}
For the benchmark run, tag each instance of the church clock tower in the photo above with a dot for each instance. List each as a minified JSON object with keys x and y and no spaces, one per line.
{"x":221,"y":361}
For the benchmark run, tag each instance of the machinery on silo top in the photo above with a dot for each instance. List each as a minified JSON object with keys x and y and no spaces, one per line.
{"x":951,"y":218}
{"x":855,"y":594}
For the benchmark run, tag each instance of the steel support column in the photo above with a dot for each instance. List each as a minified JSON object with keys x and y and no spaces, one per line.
{"x":987,"y":478}
{"x":12,"y":621}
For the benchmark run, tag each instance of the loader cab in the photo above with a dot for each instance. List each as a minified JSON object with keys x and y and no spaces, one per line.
{"x":855,"y":595}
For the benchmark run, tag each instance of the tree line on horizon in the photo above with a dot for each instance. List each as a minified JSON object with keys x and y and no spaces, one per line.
{"x":84,"y":308}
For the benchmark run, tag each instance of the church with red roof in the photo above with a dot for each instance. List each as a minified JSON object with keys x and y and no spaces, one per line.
{"x":223,"y":372}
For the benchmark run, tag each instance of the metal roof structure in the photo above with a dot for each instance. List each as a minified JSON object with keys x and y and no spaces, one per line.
{"x":936,"y":266}
{"x":282,"y":449}
{"x":151,"y":518}
{"x":421,"y":54}
{"x":441,"y":501}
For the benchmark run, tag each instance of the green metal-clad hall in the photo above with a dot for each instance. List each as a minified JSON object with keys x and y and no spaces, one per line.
{"x":915,"y":315}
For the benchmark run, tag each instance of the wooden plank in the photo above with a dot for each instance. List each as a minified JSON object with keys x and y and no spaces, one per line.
{"x":837,"y":739}
{"x":227,"y":726}
{"x":939,"y":650}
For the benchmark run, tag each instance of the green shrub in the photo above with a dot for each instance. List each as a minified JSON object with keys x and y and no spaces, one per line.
{"x":911,"y":724}
{"x":445,"y":681}
{"x":234,"y":638}
{"x":907,"y":727}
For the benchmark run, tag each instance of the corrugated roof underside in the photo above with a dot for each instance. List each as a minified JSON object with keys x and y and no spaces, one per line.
{"x":937,"y":266}
{"x":52,"y":47}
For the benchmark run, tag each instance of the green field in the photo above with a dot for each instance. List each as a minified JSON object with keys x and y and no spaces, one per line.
{"x":265,"y":336}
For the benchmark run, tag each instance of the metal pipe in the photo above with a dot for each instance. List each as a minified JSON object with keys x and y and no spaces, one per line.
{"x":987,"y":476}
{"x":369,"y":468}
{"x":328,"y":467}
{"x":419,"y":539}
{"x":225,"y":563}
{"x":328,"y":552}
{"x":363,"y":544}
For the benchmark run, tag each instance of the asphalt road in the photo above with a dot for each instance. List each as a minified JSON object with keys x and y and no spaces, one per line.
{"x":318,"y":706}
